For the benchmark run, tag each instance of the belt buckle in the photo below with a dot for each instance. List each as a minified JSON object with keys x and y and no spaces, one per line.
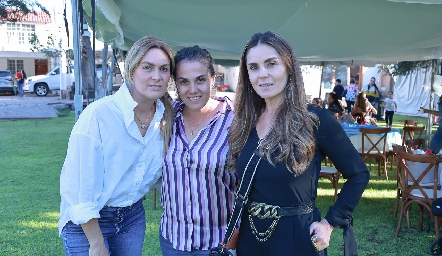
{"x":264,"y":211}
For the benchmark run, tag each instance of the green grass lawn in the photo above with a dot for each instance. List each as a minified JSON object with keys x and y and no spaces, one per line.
{"x":33,"y":152}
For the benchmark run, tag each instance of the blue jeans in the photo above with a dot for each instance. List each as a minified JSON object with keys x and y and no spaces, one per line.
{"x":20,"y":89}
{"x":123,"y":230}
{"x":350,"y":103}
{"x":168,"y":250}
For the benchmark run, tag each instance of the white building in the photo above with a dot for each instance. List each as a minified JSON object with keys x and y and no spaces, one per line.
{"x":15,"y":49}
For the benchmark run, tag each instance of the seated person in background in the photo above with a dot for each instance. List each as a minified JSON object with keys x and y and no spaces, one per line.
{"x":363,"y":110}
{"x":370,"y":109}
{"x":346,"y":118}
{"x":317,"y":101}
{"x":360,"y":109}
{"x":333,"y":104}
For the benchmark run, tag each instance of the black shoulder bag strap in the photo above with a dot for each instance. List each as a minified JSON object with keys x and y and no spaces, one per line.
{"x":240,"y":201}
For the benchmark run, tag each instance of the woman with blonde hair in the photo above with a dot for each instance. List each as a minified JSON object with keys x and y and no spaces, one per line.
{"x":113,"y":160}
{"x":290,"y":139}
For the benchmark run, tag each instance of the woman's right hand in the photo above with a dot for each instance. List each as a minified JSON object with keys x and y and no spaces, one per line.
{"x":95,"y":237}
{"x":98,"y":250}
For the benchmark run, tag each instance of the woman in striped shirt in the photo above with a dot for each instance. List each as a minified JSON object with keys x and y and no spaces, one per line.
{"x":197,"y":190}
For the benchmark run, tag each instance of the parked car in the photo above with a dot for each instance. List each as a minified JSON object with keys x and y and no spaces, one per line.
{"x":42,"y":84}
{"x":6,"y":81}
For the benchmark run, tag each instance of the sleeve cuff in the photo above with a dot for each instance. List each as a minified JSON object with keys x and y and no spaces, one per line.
{"x":82,"y":213}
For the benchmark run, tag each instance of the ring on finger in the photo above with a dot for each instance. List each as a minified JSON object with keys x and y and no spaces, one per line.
{"x":314,"y":239}
{"x":316,"y":247}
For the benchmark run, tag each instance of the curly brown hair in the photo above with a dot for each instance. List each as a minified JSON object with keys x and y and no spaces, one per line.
{"x":292,"y":140}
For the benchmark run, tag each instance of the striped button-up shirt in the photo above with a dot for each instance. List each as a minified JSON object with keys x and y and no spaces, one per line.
{"x":197,"y":189}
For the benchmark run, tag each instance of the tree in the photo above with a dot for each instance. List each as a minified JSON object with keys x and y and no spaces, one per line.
{"x":13,"y":10}
{"x":51,"y":50}
{"x":403,"y":68}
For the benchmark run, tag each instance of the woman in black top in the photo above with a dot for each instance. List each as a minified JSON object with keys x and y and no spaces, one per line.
{"x":333,"y":105}
{"x":293,"y":138}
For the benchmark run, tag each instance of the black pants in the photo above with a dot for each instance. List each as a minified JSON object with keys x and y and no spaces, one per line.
{"x":350,"y":104}
{"x":389,"y":117}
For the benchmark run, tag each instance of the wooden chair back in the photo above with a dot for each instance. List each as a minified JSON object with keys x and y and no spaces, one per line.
{"x":410,"y":123}
{"x":374,"y":146}
{"x":374,"y":141}
{"x":396,"y":149}
{"x":412,"y":132}
{"x":413,"y":144}
{"x":411,"y":185}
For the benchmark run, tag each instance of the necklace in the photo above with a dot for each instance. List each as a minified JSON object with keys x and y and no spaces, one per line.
{"x":201,"y":119}
{"x":143,"y":124}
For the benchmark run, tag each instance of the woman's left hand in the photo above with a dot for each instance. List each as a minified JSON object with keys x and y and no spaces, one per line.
{"x":320,"y":233}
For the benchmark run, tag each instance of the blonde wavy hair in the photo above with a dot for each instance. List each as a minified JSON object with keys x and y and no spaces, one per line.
{"x":132,"y":60}
{"x":290,"y":141}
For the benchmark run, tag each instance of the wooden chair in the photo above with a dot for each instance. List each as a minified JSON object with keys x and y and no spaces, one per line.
{"x":332,"y":174}
{"x":154,"y":198}
{"x":413,"y":144}
{"x":413,"y":190}
{"x":391,"y":154}
{"x":408,"y":138}
{"x":154,"y":202}
{"x":410,"y":123}
{"x":412,"y":132}
{"x":396,"y":150}
{"x":374,"y":141}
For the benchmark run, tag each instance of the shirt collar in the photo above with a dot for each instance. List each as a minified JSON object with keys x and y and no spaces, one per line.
{"x":227,"y":106}
{"x":127,"y":105}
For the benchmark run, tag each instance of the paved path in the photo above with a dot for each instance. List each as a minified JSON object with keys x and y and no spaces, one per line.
{"x":31,"y":106}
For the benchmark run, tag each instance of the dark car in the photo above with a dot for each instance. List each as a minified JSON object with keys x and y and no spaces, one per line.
{"x":6,"y":82}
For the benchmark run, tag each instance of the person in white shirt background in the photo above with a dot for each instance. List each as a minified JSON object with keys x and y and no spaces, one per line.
{"x":390,"y":108}
{"x":114,"y":158}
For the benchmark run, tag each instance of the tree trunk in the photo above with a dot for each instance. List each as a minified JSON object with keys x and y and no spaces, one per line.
{"x":103,"y":71}
{"x":85,"y":68}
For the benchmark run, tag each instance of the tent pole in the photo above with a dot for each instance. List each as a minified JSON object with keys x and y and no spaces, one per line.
{"x":78,"y":97}
{"x":320,"y":81}
{"x":430,"y":116}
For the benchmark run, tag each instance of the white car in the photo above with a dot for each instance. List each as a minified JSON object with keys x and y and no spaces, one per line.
{"x":42,"y":84}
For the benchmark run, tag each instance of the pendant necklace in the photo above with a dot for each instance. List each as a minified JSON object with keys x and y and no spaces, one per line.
{"x":204,"y":115}
{"x":143,"y":124}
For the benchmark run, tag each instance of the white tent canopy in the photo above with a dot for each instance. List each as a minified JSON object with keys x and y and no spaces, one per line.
{"x":351,"y":32}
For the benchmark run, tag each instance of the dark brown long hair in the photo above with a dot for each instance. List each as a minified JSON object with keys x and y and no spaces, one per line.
{"x":290,"y":141}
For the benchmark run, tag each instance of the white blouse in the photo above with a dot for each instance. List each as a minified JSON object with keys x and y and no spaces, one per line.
{"x":108,"y":162}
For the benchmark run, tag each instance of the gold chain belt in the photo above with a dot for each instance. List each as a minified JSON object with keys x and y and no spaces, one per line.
{"x":266,"y":211}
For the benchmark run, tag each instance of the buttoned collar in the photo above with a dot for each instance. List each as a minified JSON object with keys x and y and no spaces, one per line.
{"x":127,"y":104}
{"x":227,"y":106}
